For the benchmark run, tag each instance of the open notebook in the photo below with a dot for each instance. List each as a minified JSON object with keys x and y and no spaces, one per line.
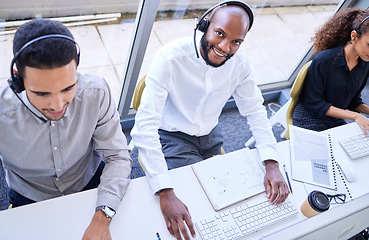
{"x":230,"y":178}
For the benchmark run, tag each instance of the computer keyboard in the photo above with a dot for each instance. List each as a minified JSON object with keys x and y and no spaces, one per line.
{"x":356,"y":146}
{"x":243,"y":220}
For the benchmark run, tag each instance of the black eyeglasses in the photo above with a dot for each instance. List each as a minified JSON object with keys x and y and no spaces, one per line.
{"x":338,"y":198}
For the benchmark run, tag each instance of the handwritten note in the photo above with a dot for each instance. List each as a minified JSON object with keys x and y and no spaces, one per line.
{"x":230,"y":178}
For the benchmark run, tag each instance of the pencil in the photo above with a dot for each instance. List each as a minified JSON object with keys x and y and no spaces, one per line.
{"x":288,"y":179}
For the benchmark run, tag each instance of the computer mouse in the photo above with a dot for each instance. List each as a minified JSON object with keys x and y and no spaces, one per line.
{"x":348,"y":171}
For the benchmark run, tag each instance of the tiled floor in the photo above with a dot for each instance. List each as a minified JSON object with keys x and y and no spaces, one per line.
{"x":275,"y":44}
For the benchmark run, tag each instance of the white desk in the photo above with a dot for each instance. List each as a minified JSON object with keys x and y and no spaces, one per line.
{"x":139,"y":216}
{"x":360,"y":166}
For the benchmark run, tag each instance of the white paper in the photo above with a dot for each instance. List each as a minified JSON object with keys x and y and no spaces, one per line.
{"x":310,"y":157}
{"x":230,"y":178}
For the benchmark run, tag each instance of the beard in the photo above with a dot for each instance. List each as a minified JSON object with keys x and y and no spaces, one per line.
{"x":206,"y":47}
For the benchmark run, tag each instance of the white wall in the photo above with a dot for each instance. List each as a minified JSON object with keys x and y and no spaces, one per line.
{"x":22,"y":9}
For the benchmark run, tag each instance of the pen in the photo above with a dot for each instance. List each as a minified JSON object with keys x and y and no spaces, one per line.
{"x":158,"y":236}
{"x":288,"y":179}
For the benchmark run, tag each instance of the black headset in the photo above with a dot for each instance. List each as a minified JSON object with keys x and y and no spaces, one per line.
{"x":358,"y":27}
{"x":16,"y":82}
{"x":202,"y":24}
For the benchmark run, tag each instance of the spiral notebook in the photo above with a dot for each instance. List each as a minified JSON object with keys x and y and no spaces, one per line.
{"x":230,"y":178}
{"x":313,"y":162}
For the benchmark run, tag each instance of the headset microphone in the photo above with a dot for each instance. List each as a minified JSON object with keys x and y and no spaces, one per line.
{"x":203,"y":23}
{"x":16,"y":82}
{"x":41,"y":118}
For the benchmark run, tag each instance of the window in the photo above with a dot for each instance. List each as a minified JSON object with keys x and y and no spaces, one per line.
{"x":103,"y":31}
{"x":119,"y":38}
{"x":277,"y":42}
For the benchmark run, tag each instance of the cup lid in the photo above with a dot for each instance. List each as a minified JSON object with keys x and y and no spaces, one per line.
{"x":318,"y":201}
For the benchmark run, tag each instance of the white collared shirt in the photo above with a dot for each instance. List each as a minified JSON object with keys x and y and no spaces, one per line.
{"x":185,"y":94}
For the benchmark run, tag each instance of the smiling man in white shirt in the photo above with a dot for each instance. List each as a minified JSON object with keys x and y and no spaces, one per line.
{"x":176,"y":123}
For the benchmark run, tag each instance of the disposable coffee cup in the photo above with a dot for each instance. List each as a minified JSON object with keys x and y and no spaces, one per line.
{"x":315,"y":203}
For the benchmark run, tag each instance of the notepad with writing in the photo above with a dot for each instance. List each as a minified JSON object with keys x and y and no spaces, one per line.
{"x":230,"y":178}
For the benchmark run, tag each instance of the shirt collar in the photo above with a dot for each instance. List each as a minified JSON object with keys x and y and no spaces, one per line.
{"x":341,"y":59}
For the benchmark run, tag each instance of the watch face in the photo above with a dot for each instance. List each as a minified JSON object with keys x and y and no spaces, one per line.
{"x":109,"y":212}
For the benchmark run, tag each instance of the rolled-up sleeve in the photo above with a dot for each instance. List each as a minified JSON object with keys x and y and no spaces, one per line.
{"x":111,"y":142}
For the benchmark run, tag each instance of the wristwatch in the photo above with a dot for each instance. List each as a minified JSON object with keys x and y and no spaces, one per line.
{"x":107,"y":210}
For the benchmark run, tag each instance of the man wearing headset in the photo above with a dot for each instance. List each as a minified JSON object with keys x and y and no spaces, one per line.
{"x":60,"y":130}
{"x":176,"y":123}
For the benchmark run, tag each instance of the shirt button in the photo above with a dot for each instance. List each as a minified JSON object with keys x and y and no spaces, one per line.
{"x":55,"y":148}
{"x":59,"y":169}
{"x":57,"y":179}
{"x":53,"y":124}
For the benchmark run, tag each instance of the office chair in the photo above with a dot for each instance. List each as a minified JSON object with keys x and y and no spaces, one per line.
{"x":295,"y":92}
{"x":136,"y":103}
{"x":278,"y":118}
{"x":138,"y":92}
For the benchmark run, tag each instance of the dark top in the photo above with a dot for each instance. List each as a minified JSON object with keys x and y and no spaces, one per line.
{"x":330,"y":82}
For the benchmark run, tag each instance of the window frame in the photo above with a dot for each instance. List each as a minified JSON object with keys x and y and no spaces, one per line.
{"x":144,"y":22}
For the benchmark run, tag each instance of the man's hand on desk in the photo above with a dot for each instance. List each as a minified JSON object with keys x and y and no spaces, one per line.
{"x":176,"y":214}
{"x":98,"y":228}
{"x":276,"y":188}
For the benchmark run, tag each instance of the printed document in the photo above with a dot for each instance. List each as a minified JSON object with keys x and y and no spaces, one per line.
{"x":311,"y":158}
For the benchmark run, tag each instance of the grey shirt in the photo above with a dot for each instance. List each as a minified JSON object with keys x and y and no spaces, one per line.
{"x":47,"y":160}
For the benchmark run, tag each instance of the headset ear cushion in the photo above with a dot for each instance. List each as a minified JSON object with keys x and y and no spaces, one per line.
{"x":16,"y":83}
{"x":203,"y":25}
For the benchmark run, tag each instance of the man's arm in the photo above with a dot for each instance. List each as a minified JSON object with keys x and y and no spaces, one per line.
{"x":250,"y":104}
{"x":146,"y":139}
{"x":108,"y":139}
{"x":275,"y":186}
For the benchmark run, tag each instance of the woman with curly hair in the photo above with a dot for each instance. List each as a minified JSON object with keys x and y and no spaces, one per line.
{"x":337,"y":75}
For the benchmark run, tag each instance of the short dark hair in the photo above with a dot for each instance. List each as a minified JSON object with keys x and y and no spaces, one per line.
{"x":47,"y":53}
